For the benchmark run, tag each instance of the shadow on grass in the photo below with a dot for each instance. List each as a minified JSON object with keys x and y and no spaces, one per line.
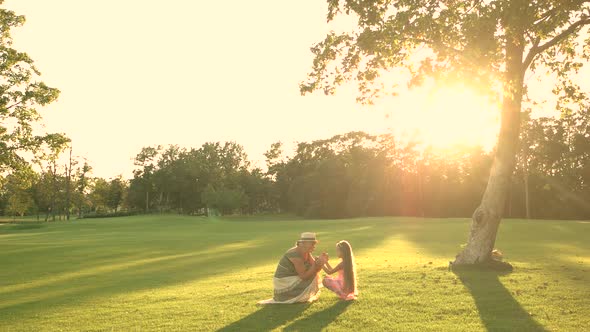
{"x":127,"y":275}
{"x":270,"y":317}
{"x":113,"y":258}
{"x":497,"y":308}
{"x":267,"y":318}
{"x":320,"y":319}
{"x":128,"y":256}
{"x":128,"y":262}
{"x":19,"y":226}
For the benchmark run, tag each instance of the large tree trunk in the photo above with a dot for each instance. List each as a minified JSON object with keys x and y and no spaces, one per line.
{"x":487,"y":216}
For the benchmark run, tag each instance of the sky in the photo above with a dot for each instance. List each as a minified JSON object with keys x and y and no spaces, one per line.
{"x":138,"y":73}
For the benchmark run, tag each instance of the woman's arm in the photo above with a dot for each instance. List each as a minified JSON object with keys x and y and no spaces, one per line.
{"x":327,"y":268}
{"x":302,"y":272}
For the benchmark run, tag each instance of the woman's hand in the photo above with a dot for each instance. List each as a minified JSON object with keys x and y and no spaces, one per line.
{"x":323,"y":258}
{"x":303,"y":271}
{"x":319,"y":261}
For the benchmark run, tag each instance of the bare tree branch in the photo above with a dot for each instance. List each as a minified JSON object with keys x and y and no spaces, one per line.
{"x":14,"y":105}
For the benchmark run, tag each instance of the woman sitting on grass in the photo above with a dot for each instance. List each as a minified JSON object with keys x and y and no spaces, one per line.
{"x":296,"y":278}
{"x":344,"y":285}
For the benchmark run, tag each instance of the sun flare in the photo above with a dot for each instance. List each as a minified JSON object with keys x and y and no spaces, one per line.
{"x":448,"y":117}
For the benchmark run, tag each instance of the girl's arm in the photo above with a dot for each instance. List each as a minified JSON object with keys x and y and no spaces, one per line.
{"x":330,"y":270}
{"x":302,"y":272}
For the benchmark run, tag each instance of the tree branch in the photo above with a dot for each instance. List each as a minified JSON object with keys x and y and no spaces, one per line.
{"x":538,"y":49}
{"x":15,"y":104}
{"x":546,"y":16}
{"x":530,"y":56}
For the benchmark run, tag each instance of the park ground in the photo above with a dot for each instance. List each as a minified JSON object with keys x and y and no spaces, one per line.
{"x":172,"y":273}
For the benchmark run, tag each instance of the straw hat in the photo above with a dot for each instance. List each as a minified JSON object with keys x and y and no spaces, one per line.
{"x":308,"y":237}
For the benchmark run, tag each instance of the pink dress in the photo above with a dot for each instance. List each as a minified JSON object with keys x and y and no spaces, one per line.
{"x":336,"y":285}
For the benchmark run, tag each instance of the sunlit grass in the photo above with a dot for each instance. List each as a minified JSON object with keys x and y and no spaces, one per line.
{"x":186,"y":273}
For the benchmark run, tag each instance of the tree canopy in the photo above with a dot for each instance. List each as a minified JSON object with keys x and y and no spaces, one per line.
{"x":21,"y":93}
{"x":489,"y":45}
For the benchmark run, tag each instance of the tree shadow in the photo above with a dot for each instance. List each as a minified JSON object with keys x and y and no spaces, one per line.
{"x":497,"y":308}
{"x":320,"y":319}
{"x":104,"y":281}
{"x":271,"y":316}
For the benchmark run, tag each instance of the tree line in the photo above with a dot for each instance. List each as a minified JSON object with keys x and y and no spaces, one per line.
{"x":351,"y":175}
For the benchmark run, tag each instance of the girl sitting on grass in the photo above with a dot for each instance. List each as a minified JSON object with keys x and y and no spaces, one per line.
{"x":344,"y":285}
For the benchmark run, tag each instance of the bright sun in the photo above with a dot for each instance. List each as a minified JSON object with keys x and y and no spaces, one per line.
{"x":448,"y":117}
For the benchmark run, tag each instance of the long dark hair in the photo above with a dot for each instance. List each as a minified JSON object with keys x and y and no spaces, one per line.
{"x":348,"y":266}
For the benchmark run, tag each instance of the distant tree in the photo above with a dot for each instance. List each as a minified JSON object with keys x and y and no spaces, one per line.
{"x":276,"y":164}
{"x":114,"y":195}
{"x":165,"y":177}
{"x":146,"y":159}
{"x":68,"y":169}
{"x":42,"y":192}
{"x":19,"y":203}
{"x":552,"y":171}
{"x":478,"y":42}
{"x":223,"y":200}
{"x":274,"y":158}
{"x":82,"y":183}
{"x":18,"y":184}
{"x":258,"y":191}
{"x":3,"y":196}
{"x":524,"y":157}
{"x":99,"y":195}
{"x":172,"y":178}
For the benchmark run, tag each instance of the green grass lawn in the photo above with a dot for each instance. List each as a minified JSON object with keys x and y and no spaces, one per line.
{"x":169,"y":273}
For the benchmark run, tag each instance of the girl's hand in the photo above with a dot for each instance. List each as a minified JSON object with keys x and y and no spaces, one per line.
{"x":319,"y":261}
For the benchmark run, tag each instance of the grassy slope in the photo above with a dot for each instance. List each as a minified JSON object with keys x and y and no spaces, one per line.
{"x":182,"y":273}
